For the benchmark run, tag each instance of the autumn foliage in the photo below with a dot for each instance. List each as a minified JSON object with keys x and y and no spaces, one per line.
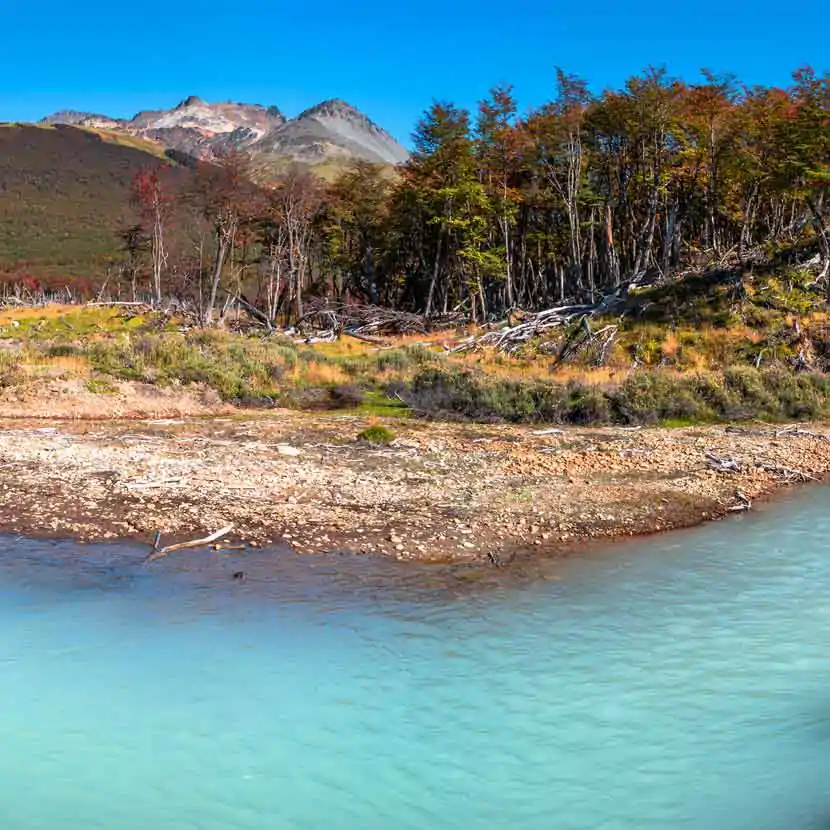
{"x":585,"y":196}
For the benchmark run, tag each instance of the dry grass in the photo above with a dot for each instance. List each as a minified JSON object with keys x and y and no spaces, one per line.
{"x":319,"y":374}
{"x":132,"y":141}
{"x":676,"y":372}
{"x":50,"y":311}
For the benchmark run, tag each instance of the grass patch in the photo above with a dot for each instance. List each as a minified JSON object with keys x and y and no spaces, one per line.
{"x":377,"y":434}
{"x":673,"y":374}
{"x":100,"y":386}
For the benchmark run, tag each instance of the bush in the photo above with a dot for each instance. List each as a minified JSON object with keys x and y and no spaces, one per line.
{"x":799,"y":396}
{"x":398,"y":359}
{"x":650,"y":397}
{"x":62,"y":350}
{"x":748,"y":386}
{"x":588,"y":405}
{"x":645,"y":397}
{"x":346,"y":396}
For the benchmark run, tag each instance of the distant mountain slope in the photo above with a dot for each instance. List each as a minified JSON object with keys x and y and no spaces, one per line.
{"x":332,"y":132}
{"x":64,"y":197}
{"x":332,"y":129}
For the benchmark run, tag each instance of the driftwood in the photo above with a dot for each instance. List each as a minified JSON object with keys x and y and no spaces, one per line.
{"x":363,"y":321}
{"x":159,"y":553}
{"x":744,"y":504}
{"x":795,"y":431}
{"x":722,"y":465}
{"x":785,"y":474}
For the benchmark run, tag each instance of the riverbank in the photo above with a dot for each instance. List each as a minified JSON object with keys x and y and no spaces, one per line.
{"x":436,"y":492}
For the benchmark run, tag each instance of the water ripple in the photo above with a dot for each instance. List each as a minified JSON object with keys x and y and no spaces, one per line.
{"x":680,"y":682}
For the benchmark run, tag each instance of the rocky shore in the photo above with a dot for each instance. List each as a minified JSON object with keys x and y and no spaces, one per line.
{"x":438,"y":492}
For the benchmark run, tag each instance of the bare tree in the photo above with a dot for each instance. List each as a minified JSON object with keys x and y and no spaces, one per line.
{"x":226,"y":196}
{"x":156,"y":205}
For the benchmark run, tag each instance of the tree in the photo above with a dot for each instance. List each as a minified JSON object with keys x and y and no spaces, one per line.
{"x":292,"y":208}
{"x":155,"y":204}
{"x":498,"y":143}
{"x":443,"y":185}
{"x":226,"y":196}
{"x":354,"y":225}
{"x":135,"y":244}
{"x":808,"y":157}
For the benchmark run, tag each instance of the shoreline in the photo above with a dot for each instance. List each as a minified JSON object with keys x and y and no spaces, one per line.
{"x":440,"y":492}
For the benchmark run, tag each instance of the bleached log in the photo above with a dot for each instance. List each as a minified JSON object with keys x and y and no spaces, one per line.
{"x":196,"y":543}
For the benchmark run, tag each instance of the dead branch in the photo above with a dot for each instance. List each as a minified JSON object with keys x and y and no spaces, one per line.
{"x":795,"y":431}
{"x":722,"y":465}
{"x":367,"y":338}
{"x":196,"y":543}
{"x":254,"y":313}
{"x":125,"y":304}
{"x":368,"y":321}
{"x":787,"y":474}
{"x":744,"y":503}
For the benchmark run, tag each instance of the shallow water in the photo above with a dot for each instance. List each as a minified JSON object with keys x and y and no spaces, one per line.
{"x":677,"y":682}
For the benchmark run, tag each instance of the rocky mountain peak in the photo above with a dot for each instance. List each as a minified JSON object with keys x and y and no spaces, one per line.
{"x":333,"y":107}
{"x":191,"y":101}
{"x":333,"y":130}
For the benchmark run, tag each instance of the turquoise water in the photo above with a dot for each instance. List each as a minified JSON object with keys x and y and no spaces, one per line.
{"x":682,"y":682}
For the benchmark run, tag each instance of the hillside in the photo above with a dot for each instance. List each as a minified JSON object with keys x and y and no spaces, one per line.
{"x":330,"y":134}
{"x":65,"y":195}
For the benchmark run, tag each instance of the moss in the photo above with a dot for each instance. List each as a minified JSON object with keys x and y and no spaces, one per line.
{"x":376,"y":402}
{"x":100,"y":386}
{"x":377,"y":435}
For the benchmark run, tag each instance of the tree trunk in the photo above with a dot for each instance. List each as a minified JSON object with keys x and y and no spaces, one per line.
{"x":823,"y":241}
{"x":435,"y":272}
{"x":221,"y":254}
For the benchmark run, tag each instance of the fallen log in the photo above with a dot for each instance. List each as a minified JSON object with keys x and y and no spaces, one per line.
{"x":722,"y":465}
{"x":787,"y":474}
{"x":795,"y":431}
{"x":366,"y":338}
{"x":744,"y":503}
{"x":160,"y":553}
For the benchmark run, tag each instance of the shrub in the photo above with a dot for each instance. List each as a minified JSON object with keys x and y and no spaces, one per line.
{"x":394,"y":359}
{"x":588,"y":405}
{"x":62,"y":350}
{"x":346,"y":396}
{"x":748,"y":386}
{"x":798,"y":396}
{"x":649,"y":397}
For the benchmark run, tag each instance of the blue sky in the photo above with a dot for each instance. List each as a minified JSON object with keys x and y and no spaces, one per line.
{"x":389,"y":59}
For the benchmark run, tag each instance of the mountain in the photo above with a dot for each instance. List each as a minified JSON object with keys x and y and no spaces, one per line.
{"x":332,"y":133}
{"x":332,"y":129}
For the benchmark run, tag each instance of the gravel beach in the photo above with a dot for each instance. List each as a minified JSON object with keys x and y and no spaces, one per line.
{"x":439,"y":492}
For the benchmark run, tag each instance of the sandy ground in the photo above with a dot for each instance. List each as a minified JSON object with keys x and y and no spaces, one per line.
{"x":439,"y":492}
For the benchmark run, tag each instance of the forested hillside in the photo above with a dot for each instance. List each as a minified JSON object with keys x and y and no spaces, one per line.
{"x":585,"y":196}
{"x":65,"y":201}
{"x":590,"y":192}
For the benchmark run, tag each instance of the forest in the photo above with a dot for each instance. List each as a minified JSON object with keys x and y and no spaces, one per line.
{"x":585,"y":197}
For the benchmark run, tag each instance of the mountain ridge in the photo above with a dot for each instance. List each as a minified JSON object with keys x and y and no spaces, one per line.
{"x":332,"y":131}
